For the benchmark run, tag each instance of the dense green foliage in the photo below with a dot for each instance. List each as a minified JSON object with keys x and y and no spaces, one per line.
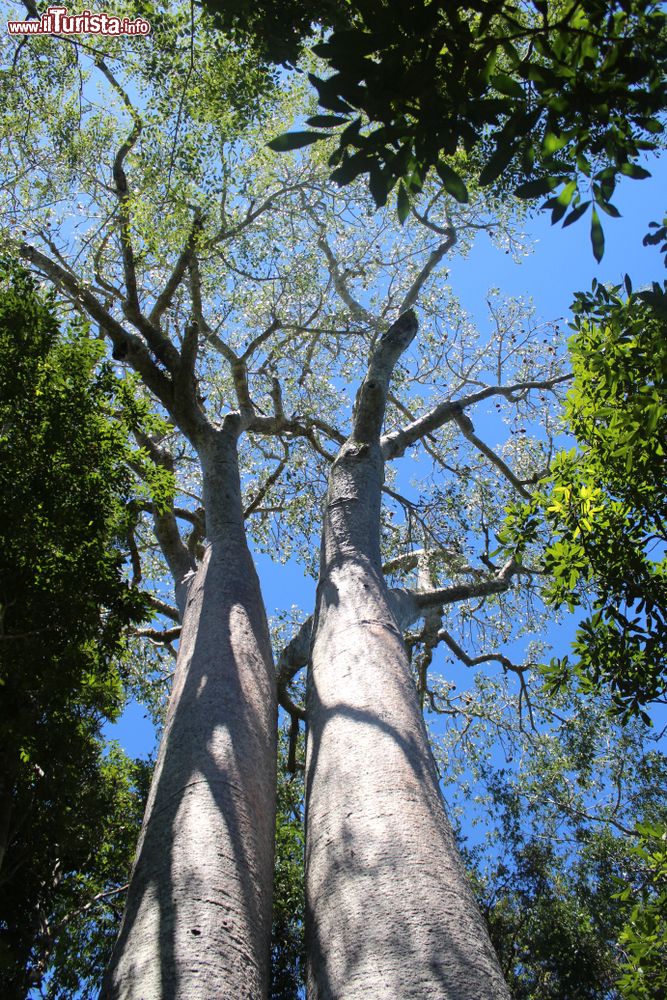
{"x":68,"y":812}
{"x":644,"y":936}
{"x":557,"y":98}
{"x":287,"y":945}
{"x":551,"y":792}
{"x":604,"y":505}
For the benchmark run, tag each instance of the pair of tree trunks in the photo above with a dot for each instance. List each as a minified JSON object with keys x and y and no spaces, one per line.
{"x":389,"y":911}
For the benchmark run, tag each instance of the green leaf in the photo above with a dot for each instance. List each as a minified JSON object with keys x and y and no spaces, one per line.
{"x":597,"y":236}
{"x":567,"y":194}
{"x":576,"y":213}
{"x":295,"y":140}
{"x":552,"y":143}
{"x":557,"y":212}
{"x":507,"y":85}
{"x":379,"y":186}
{"x":496,"y":164}
{"x":326,"y":121}
{"x":610,"y":209}
{"x":402,"y":203}
{"x":535,"y":189}
{"x":635,"y":171}
{"x":452,"y":182}
{"x":327,"y":98}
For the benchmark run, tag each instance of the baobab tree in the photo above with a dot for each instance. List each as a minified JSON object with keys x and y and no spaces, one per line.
{"x":248,"y":295}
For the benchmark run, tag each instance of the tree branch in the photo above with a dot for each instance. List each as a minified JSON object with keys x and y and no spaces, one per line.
{"x":395,"y":443}
{"x":434,"y":259}
{"x":270,"y":481}
{"x":473,"y":661}
{"x":358,"y":311}
{"x":162,"y":607}
{"x":260,"y":338}
{"x":179,"y":560}
{"x":466,"y":427}
{"x":465,"y":591}
{"x":161,"y":346}
{"x":293,"y":657}
{"x":371,"y":401}
{"x":127,"y":346}
{"x":164,"y":636}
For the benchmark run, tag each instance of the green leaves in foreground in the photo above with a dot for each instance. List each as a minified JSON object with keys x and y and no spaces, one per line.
{"x":545,"y":99}
{"x":644,"y":936}
{"x":604,"y":505}
{"x":295,"y":140}
{"x":68,"y":813}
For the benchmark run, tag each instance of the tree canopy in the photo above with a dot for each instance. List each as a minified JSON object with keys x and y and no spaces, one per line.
{"x":604,"y":504}
{"x":68,"y":804}
{"x":546,"y":98}
{"x":232,"y":285}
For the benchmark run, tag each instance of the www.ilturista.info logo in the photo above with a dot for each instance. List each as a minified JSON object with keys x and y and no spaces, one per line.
{"x":56,"y":21}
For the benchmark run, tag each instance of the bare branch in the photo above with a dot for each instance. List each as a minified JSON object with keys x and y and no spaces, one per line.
{"x":466,"y":427}
{"x":293,"y":657}
{"x":266,"y":486}
{"x":134,"y":557}
{"x":177,"y":275}
{"x":164,"y":637}
{"x":473,"y":661}
{"x":465,"y":591}
{"x":277,"y":399}
{"x":179,"y":560}
{"x":260,"y":338}
{"x":434,"y":259}
{"x":451,"y":557}
{"x":253,"y":213}
{"x":395,"y":443}
{"x":127,"y":345}
{"x":340,"y":284}
{"x":159,"y":344}
{"x":163,"y":608}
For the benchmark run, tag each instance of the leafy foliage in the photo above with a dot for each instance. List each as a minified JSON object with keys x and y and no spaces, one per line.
{"x":553,"y":793}
{"x":644,"y":936}
{"x":288,"y":945}
{"x":557,"y":98}
{"x":605,"y":506}
{"x":67,"y":813}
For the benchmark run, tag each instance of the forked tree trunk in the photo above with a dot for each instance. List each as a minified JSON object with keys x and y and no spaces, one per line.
{"x":389,"y":910}
{"x":197,"y":923}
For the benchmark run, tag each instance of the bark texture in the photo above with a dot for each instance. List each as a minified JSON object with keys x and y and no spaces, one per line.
{"x":198,"y":917}
{"x":390,"y":913}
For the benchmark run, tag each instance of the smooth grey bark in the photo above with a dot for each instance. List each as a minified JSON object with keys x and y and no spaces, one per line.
{"x":197,"y":923}
{"x":389,"y":910}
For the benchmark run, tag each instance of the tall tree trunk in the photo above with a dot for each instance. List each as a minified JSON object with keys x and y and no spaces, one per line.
{"x":389,"y":910}
{"x":198,"y":917}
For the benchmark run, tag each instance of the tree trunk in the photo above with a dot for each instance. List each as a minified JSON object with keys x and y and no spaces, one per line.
{"x":198,"y":917}
{"x":389,"y":910}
